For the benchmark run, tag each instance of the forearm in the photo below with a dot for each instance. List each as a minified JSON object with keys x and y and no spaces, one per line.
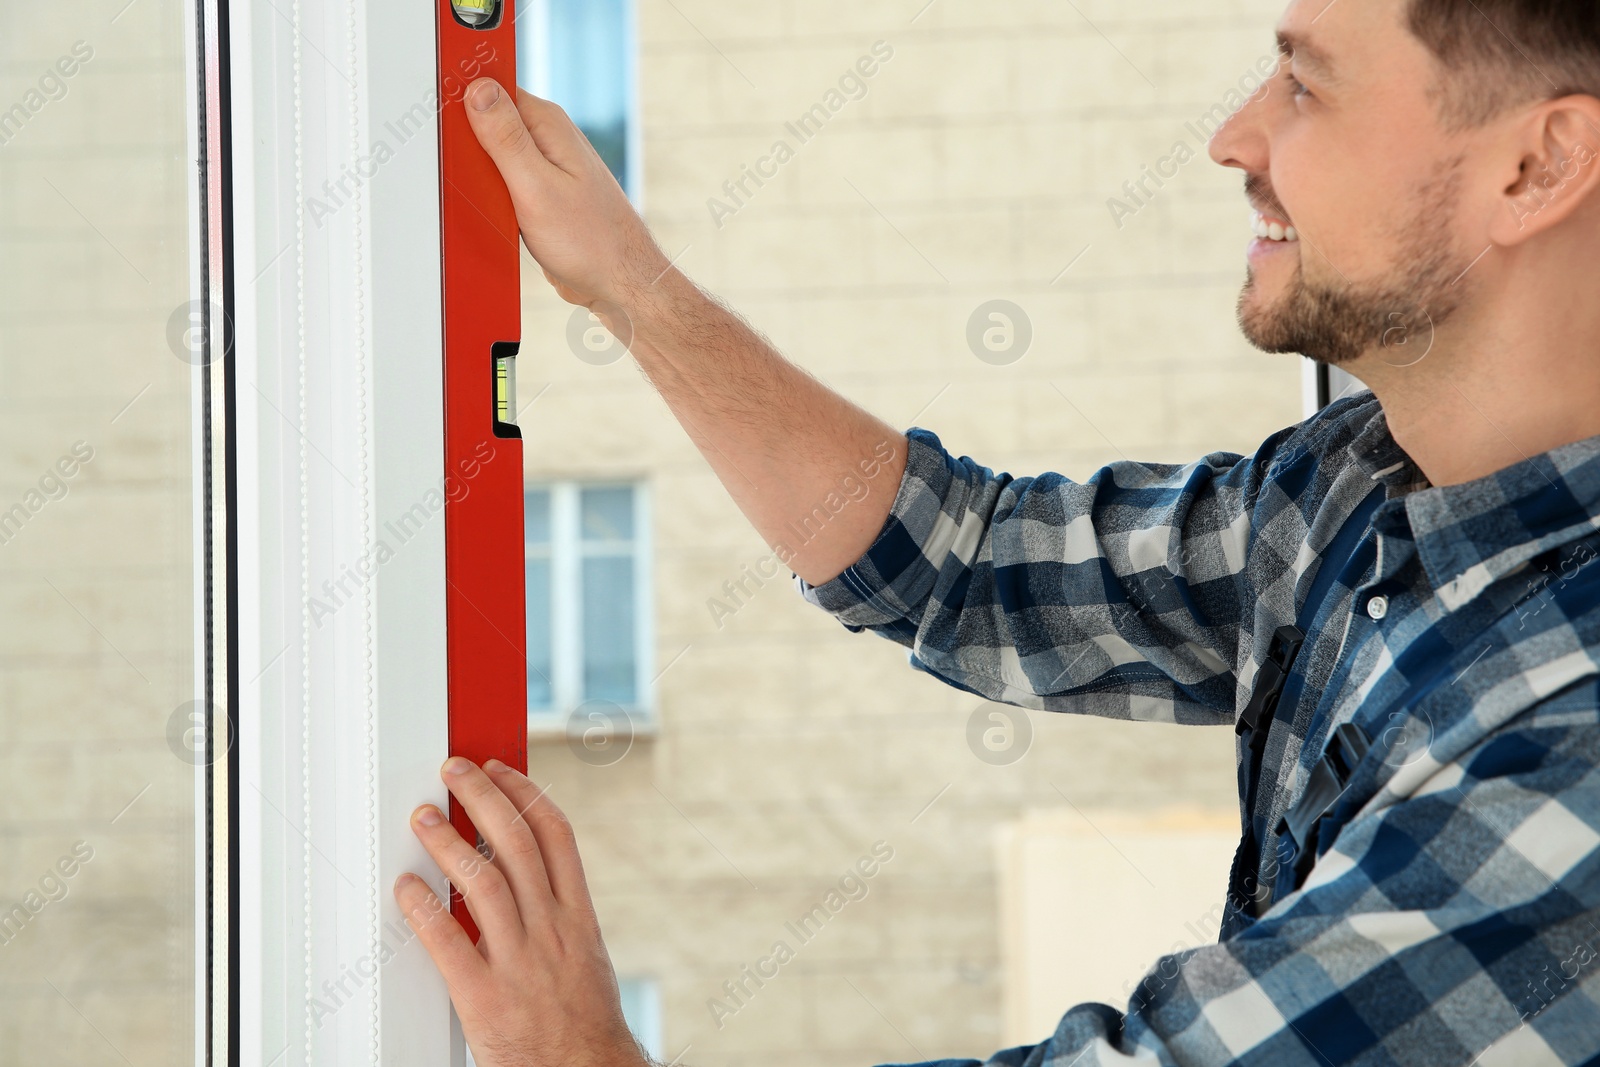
{"x":815,"y":474}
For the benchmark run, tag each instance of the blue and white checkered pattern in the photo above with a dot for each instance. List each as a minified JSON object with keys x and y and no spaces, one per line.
{"x":1453,"y":913}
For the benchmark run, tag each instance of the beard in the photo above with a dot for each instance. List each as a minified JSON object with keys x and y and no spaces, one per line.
{"x":1337,"y":322}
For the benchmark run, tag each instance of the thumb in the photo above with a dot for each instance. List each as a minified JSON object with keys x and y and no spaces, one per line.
{"x":500,"y":129}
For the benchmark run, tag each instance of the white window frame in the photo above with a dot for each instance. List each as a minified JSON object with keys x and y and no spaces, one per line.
{"x":566,"y":553}
{"x":343,"y":718}
{"x":1341,"y":383}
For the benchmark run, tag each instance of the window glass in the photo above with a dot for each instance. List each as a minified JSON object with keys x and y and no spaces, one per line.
{"x":579,"y":54}
{"x":588,"y":73}
{"x":608,"y":514}
{"x":536,"y":519}
{"x":609,"y":665}
{"x":541,"y":669}
{"x":586,"y":596}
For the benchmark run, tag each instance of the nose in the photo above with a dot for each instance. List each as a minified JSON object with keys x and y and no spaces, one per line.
{"x":1241,"y":141}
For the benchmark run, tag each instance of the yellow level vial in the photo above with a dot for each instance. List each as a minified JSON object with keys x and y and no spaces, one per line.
{"x":475,"y":12}
{"x":505,"y":388}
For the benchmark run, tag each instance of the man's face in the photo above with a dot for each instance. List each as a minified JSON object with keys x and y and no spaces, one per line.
{"x":1346,"y":146}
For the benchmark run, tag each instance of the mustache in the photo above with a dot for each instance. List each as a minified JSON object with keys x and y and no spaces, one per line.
{"x":1258,"y":190}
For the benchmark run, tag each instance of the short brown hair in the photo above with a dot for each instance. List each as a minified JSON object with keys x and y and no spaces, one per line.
{"x":1500,"y":53}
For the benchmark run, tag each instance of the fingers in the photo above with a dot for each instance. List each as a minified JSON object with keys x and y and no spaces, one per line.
{"x":503,"y":134}
{"x":452,"y":950}
{"x":487,"y":893}
{"x":516,"y":852}
{"x":557,"y":843}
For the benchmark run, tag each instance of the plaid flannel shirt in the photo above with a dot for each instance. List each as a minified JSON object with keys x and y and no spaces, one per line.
{"x":1452,"y":914}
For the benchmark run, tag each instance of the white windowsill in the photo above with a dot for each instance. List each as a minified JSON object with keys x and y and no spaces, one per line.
{"x":554,"y":727}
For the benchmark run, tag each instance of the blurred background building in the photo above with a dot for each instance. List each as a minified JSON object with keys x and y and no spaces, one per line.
{"x":97,"y":653}
{"x":740,"y":761}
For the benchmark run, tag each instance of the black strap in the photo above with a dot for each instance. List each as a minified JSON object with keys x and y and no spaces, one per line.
{"x":1255,"y":721}
{"x":1298,"y":829}
{"x":1263,"y":703}
{"x":1246,"y":894}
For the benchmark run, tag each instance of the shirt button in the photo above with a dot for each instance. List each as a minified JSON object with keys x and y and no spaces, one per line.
{"x":1378,"y":607}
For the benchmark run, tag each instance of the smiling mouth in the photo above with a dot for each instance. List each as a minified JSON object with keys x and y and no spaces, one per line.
{"x":1272,"y":228}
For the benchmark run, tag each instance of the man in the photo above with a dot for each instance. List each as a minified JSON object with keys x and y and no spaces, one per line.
{"x":1392,"y":602}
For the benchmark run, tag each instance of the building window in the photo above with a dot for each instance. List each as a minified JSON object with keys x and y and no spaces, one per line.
{"x":582,"y":55}
{"x":588,"y":599}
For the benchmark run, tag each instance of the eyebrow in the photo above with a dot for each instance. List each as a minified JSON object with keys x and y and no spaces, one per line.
{"x":1291,"y":45}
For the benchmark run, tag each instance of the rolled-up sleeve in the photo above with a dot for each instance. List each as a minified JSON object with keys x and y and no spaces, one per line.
{"x":1123,"y":595}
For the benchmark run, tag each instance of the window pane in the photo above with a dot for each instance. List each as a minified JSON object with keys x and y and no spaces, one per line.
{"x":608,"y":514}
{"x":541,"y":668}
{"x":589,"y":74}
{"x":536,"y":517}
{"x":608,"y":654}
{"x":103,"y":740}
{"x":541,"y":660}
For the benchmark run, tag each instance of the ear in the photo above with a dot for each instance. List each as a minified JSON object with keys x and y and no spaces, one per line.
{"x":1558,"y":169}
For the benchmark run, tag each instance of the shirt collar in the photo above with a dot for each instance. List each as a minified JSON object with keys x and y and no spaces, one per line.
{"x":1377,"y":453}
{"x":1471,"y":535}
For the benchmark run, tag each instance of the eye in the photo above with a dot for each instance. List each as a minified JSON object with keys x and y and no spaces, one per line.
{"x":1296,"y":86}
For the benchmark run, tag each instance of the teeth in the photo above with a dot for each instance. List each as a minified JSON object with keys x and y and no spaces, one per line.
{"x":1271,"y":231}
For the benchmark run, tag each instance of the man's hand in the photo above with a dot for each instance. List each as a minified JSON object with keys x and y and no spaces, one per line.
{"x":537,"y":990}
{"x":575,"y":219}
